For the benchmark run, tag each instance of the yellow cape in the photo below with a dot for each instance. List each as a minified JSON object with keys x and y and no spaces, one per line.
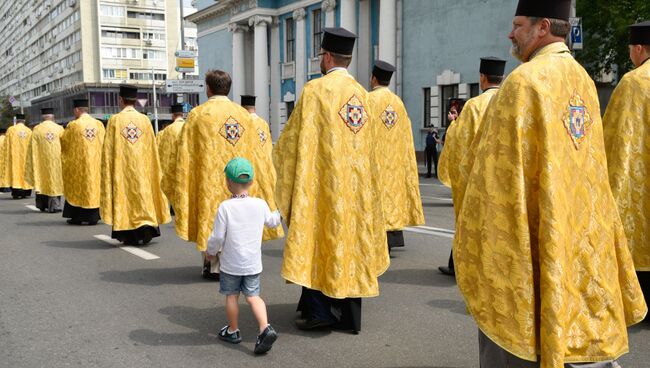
{"x":43,"y":163}
{"x":396,"y":159}
{"x":329,"y":191}
{"x":167,"y":149}
{"x":16,"y":145}
{"x":216,"y":132}
{"x":131,"y":194}
{"x":3,"y":183}
{"x":540,"y":252}
{"x":458,"y":141}
{"x":81,"y":157}
{"x":627,"y":141}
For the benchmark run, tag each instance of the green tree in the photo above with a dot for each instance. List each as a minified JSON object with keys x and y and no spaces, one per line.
{"x":606,"y":37}
{"x":6,"y":112}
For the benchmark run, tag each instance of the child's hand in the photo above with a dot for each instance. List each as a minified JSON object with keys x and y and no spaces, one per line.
{"x":210,"y":257}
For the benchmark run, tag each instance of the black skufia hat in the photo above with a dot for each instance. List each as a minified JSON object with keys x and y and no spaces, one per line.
{"x":82,"y":102}
{"x":20,"y":116}
{"x":47,"y":111}
{"x":556,"y":9}
{"x":247,"y":100}
{"x":177,"y":109}
{"x":640,"y":33}
{"x":491,"y":65}
{"x":383,"y":71}
{"x":339,"y":41}
{"x":127,"y":91}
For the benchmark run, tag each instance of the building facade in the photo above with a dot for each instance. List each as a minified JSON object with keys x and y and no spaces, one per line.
{"x":270,"y":47}
{"x":58,"y":50}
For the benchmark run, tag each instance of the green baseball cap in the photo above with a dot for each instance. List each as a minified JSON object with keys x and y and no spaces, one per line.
{"x":237,"y":167}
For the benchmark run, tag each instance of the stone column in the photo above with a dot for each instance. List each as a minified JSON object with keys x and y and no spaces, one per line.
{"x":328,"y":8}
{"x":388,"y":34}
{"x":238,"y":62}
{"x":301,"y":44}
{"x":261,"y":68}
{"x":349,"y":22}
{"x":276,"y":86}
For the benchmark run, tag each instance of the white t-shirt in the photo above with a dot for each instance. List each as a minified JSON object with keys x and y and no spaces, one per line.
{"x":237,"y":231}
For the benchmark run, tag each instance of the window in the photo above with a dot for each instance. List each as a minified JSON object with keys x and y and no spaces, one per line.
{"x":427,"y":107}
{"x":290,"y":54}
{"x":147,"y":76}
{"x":111,"y":11}
{"x":317,"y":34}
{"x":115,"y":74}
{"x":146,"y":16}
{"x":118,"y":34}
{"x":474,"y":90}
{"x":446,"y":94}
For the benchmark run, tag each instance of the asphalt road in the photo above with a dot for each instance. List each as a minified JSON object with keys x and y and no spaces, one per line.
{"x":69,"y":299}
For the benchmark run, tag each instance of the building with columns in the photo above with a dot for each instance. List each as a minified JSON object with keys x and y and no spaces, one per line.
{"x":271,"y":47}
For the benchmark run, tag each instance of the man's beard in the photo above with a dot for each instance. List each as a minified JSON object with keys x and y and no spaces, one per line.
{"x":518,"y":47}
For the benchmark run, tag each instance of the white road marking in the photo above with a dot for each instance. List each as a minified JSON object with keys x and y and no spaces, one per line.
{"x":435,"y":231}
{"x":133,"y":250}
{"x":33,"y":208}
{"x":437,"y":198}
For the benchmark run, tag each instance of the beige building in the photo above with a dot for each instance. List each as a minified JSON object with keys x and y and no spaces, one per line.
{"x":58,"y":50}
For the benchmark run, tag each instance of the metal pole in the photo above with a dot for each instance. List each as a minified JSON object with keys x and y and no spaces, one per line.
{"x":182,"y":40}
{"x":155,"y":101}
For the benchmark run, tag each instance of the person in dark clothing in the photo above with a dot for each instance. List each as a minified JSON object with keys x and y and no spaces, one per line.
{"x":431,"y":151}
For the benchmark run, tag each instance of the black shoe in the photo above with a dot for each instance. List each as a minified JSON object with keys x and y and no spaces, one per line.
{"x":447,"y":271}
{"x":428,"y":175}
{"x":265,"y":340}
{"x":73,"y":222}
{"x":312,"y":324}
{"x":92,"y":223}
{"x":231,"y":337}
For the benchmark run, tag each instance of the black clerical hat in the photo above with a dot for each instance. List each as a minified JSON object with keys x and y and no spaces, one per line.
{"x":20,"y":116}
{"x":383,"y":71}
{"x":47,"y":111}
{"x":247,"y":100}
{"x":556,"y":9}
{"x":492,"y":66}
{"x":177,"y":109}
{"x":82,"y":102}
{"x":127,"y":91}
{"x":640,"y":33}
{"x":339,"y":41}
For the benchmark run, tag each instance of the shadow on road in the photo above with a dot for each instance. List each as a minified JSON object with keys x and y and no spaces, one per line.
{"x":206,"y":323}
{"x":417,"y":277}
{"x":454,"y":306}
{"x":155,"y":276}
{"x":52,"y":222}
{"x":89,"y":244}
{"x":275,"y":253}
{"x":640,"y":327}
{"x":438,"y":204}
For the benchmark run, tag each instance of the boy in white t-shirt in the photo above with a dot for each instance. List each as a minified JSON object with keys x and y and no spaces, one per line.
{"x":237,"y":232}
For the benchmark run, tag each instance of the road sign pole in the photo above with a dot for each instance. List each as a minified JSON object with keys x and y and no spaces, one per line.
{"x":155,"y":101}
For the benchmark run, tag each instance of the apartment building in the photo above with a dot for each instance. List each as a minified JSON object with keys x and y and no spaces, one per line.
{"x":57,"y":50}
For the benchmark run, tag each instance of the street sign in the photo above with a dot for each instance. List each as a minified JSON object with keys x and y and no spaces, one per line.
{"x":185,"y":62}
{"x":12,"y":99}
{"x":185,"y":54}
{"x":184,"y":86}
{"x":576,"y":33}
{"x":186,"y":107}
{"x":185,"y":70}
{"x":142,"y":101}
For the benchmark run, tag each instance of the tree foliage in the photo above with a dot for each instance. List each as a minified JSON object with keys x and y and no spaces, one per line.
{"x":6,"y":112}
{"x":606,"y":36}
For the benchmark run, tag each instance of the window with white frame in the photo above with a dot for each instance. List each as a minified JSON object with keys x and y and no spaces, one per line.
{"x":290,"y":49}
{"x":111,"y":11}
{"x":317,"y":32}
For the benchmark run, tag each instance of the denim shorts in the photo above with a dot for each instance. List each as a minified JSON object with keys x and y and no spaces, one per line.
{"x":233,"y":285}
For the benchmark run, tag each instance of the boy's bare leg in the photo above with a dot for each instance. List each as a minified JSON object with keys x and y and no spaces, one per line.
{"x":259,"y":310}
{"x":232,"y":311}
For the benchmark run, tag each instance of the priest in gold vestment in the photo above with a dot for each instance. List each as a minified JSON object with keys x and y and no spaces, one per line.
{"x":627,"y":140}
{"x":216,"y":132}
{"x":262,"y":128}
{"x":541,"y":256}
{"x":131,"y":198}
{"x":4,"y":185}
{"x":81,"y":158}
{"x":167,"y":141}
{"x":43,"y":163}
{"x":15,"y":152}
{"x":462,"y":132}
{"x":329,"y":193}
{"x":400,"y":183}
